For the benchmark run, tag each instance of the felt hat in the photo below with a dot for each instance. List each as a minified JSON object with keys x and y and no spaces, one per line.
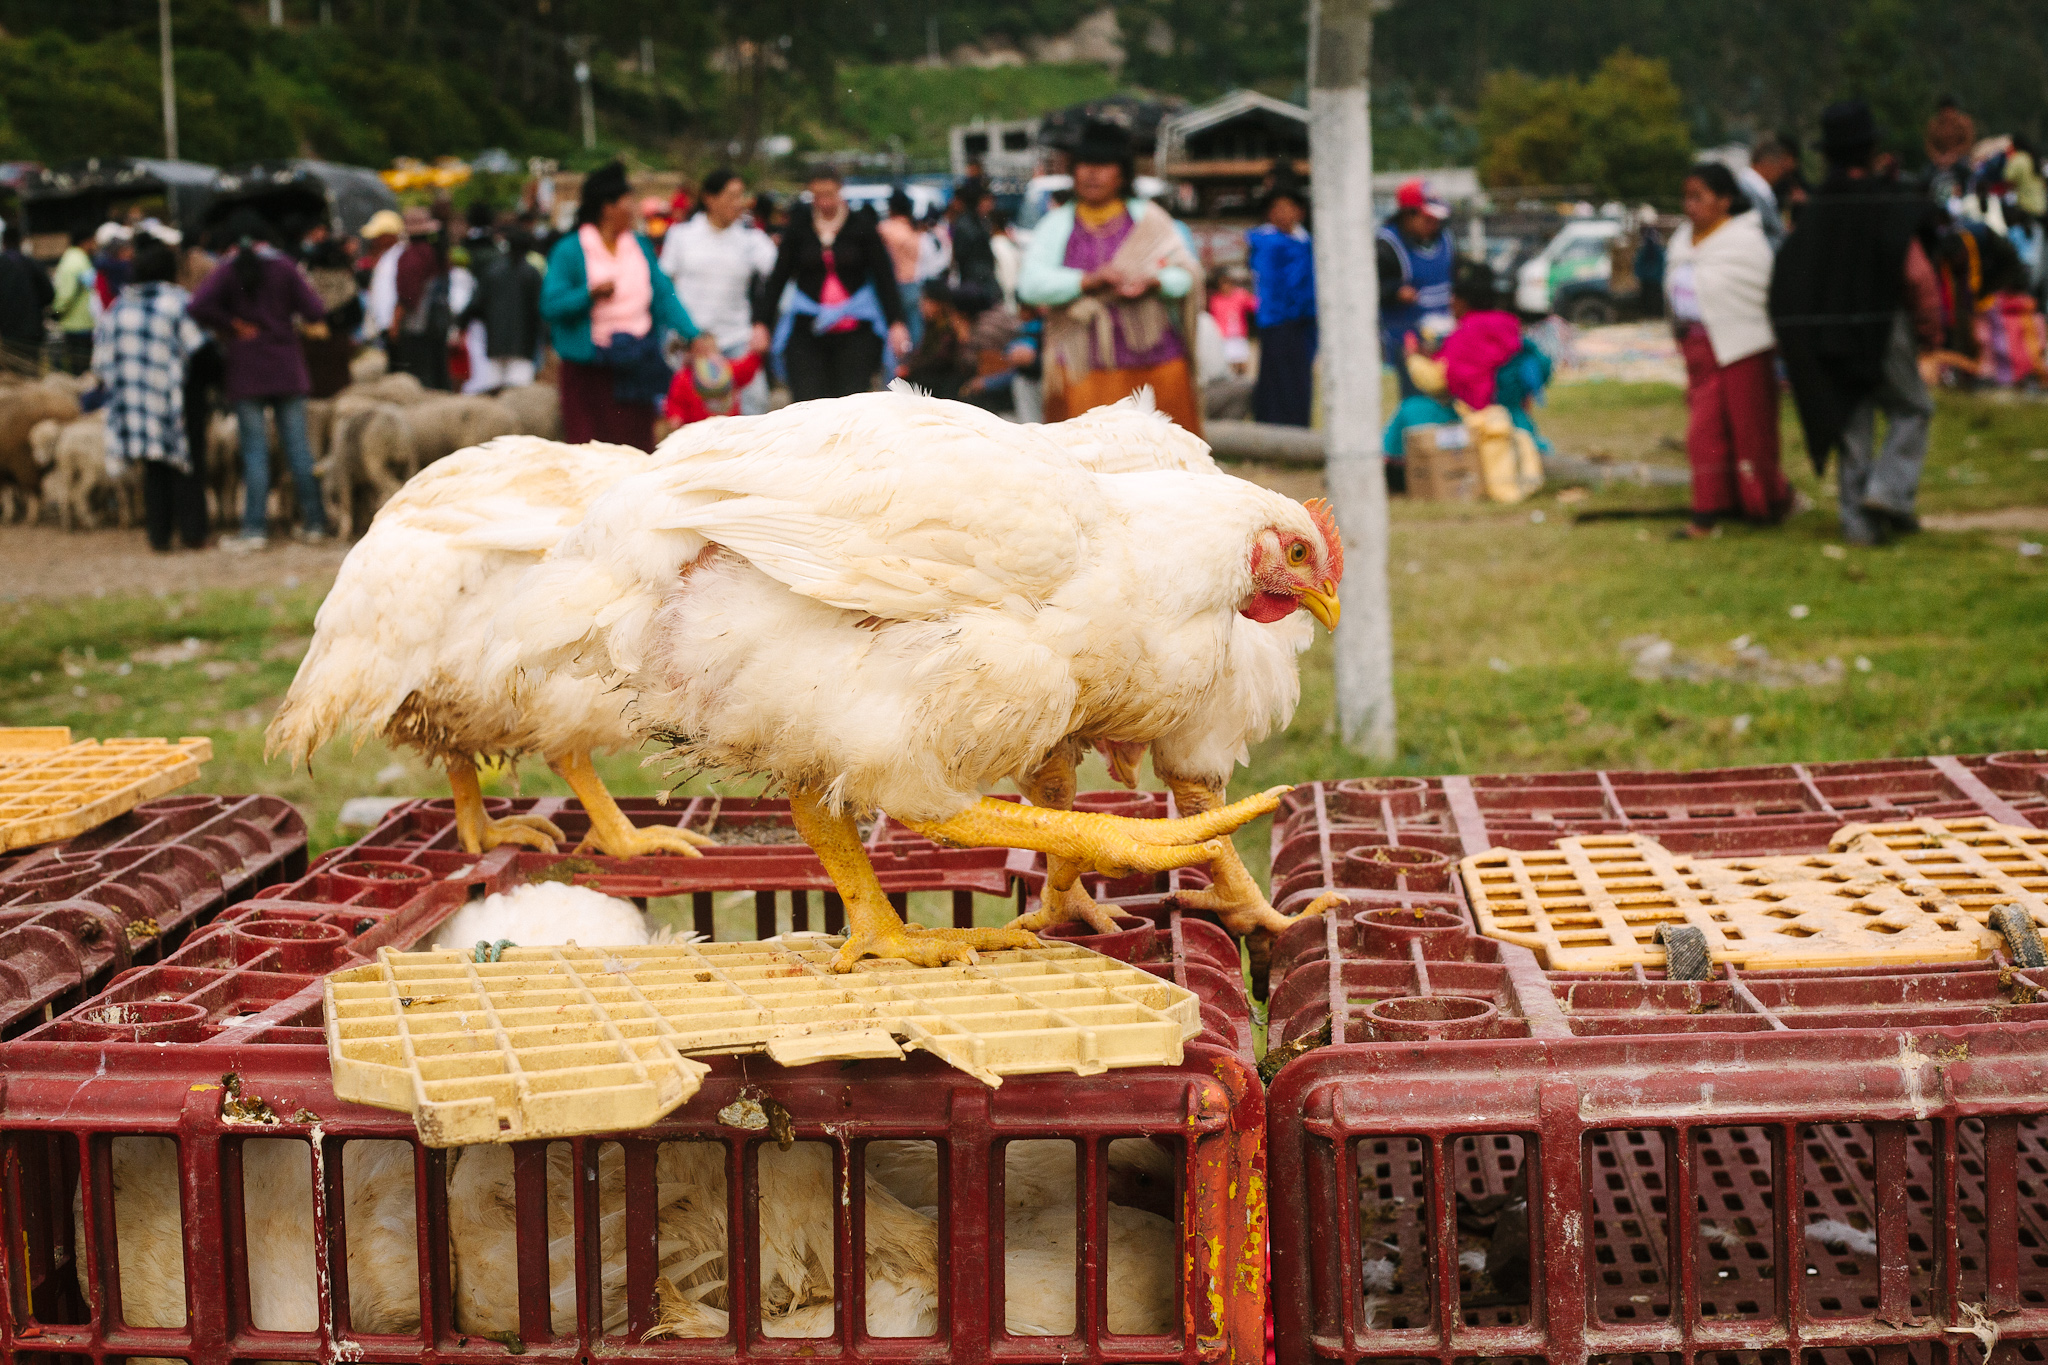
{"x":1848,"y":131}
{"x":1102,"y":143}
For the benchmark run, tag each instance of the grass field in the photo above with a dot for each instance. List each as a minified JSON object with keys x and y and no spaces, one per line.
{"x":1510,"y":631}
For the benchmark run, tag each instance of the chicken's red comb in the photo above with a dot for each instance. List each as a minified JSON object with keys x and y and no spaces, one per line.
{"x":1333,"y":540}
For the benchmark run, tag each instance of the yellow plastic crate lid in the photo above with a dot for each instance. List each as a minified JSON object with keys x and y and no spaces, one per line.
{"x":1596,"y":902}
{"x":51,"y":788}
{"x":556,"y":1042}
{"x":1974,"y":861}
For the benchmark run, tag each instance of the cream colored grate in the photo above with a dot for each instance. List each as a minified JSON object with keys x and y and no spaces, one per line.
{"x":553,"y":1042}
{"x":1595,"y":903}
{"x":51,"y":788}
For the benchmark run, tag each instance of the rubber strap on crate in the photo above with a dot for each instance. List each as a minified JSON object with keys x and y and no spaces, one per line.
{"x":560,"y":1042}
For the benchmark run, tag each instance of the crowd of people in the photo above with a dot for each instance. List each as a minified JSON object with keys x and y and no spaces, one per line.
{"x":650,"y":314}
{"x":1858,"y":292}
{"x":1861,"y":294}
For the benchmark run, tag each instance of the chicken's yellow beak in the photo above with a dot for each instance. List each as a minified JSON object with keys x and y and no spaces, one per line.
{"x":1323,"y":604}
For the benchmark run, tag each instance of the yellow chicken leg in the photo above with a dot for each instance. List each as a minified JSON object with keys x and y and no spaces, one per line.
{"x":611,"y":833}
{"x":1232,"y":895}
{"x":873,"y":928}
{"x":1113,"y":845}
{"x":478,"y":832}
{"x":1051,"y":786}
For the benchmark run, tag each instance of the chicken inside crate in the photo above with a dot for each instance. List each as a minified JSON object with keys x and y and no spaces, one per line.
{"x":1557,"y":1201}
{"x":262,"y":1219}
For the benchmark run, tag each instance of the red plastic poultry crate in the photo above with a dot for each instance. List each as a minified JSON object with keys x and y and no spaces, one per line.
{"x":1758,"y":1199}
{"x":252,"y":1013}
{"x":1785,"y":808}
{"x":1399,"y":973}
{"x":76,"y":912}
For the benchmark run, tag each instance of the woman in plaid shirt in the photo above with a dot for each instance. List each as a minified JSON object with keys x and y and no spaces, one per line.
{"x":139,"y":353}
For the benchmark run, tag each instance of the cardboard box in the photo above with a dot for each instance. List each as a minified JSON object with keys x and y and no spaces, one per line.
{"x":1443,"y":464}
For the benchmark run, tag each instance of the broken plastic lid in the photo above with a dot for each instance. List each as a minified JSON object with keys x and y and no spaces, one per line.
{"x":559,"y":1042}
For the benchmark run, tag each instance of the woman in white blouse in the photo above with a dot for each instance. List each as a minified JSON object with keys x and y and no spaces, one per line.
{"x":1716,"y":284}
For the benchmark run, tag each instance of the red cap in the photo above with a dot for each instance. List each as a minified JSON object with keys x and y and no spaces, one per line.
{"x":1413,"y":195}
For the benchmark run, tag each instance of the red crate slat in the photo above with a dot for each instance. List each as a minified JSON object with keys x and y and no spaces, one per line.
{"x":74,"y":913}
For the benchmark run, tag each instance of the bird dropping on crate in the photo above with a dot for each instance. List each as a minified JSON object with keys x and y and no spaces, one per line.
{"x":560,"y":1042}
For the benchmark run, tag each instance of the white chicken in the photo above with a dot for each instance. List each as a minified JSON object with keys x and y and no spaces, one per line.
{"x":398,"y":646}
{"x":1258,"y":695}
{"x":277,"y":1203}
{"x":1039,"y":1193}
{"x":543,"y":914}
{"x":892,"y":602}
{"x":379,"y":1215}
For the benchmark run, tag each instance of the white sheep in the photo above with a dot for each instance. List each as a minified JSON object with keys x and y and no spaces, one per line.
{"x":74,"y":457}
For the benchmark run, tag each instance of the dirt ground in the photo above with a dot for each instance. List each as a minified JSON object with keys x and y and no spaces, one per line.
{"x":44,"y":562}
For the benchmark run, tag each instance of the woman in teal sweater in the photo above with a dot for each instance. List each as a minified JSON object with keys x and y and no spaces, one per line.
{"x":606,"y":302}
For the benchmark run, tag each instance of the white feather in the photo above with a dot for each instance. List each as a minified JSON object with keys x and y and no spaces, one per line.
{"x":1828,"y":1231}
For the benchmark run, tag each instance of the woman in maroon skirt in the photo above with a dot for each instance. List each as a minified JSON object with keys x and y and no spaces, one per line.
{"x":1716,"y":282}
{"x":606,"y":302}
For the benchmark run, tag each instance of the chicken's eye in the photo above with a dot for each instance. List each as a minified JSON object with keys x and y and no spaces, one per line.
{"x":1297,"y":553}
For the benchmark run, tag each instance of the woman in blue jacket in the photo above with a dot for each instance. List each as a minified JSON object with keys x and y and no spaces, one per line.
{"x":1283,"y":261}
{"x":606,"y":301}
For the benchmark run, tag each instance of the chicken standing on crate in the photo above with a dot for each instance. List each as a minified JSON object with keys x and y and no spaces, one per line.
{"x":399,"y":645}
{"x":893,"y":602}
{"x":1264,"y":683}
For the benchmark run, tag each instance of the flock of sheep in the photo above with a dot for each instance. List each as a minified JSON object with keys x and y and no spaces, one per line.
{"x":367,"y":441}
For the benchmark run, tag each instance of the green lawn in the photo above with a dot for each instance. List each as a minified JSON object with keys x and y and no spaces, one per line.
{"x":1509,"y":631}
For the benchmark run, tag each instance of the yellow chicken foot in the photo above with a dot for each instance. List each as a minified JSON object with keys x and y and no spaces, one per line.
{"x":611,"y":833}
{"x":873,"y":929}
{"x":1112,"y":845}
{"x":1050,"y":786}
{"x":1233,"y":896}
{"x":478,"y":832}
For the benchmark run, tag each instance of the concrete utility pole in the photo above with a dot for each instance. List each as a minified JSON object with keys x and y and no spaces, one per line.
{"x":277,"y":13}
{"x":170,"y":79}
{"x":589,"y":106}
{"x":1347,"y":288}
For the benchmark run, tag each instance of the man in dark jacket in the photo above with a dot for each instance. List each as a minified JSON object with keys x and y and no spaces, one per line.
{"x":973,"y":272}
{"x":1855,"y":307}
{"x":25,"y":291}
{"x":419,"y":325}
{"x":832,"y":302}
{"x":507,"y":303}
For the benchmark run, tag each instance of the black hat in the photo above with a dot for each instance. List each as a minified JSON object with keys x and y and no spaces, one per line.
{"x":1102,"y":143}
{"x":1848,"y":132}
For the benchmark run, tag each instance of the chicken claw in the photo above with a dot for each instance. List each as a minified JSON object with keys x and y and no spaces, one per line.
{"x":1232,"y":896}
{"x":873,"y":929}
{"x":611,"y":833}
{"x":922,"y":947}
{"x":478,"y":832}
